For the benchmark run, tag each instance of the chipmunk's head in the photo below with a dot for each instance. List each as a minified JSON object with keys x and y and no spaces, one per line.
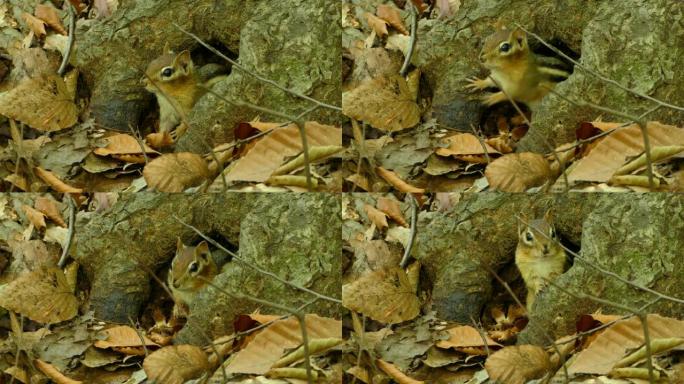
{"x":190,"y":266}
{"x":504,"y":46}
{"x":167,"y":70}
{"x":538,"y":234}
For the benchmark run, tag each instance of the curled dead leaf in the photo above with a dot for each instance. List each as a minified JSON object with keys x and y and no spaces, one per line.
{"x":392,"y":15}
{"x":49,"y":208}
{"x":175,"y":172}
{"x":376,"y":216}
{"x":54,"y":181}
{"x":176,"y":364}
{"x":517,"y":364}
{"x":377,"y":24}
{"x":517,"y":172}
{"x":50,"y":16}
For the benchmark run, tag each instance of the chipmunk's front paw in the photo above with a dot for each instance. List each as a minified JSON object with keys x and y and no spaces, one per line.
{"x":475,"y":84}
{"x":490,"y":99}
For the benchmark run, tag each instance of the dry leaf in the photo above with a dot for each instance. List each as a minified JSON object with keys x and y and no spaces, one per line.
{"x":175,"y":172}
{"x":122,"y":336}
{"x":377,"y":24}
{"x":397,"y":182}
{"x":384,"y":295}
{"x":269,"y":345}
{"x":517,"y":172}
{"x":123,"y":144}
{"x":315,"y":346}
{"x":392,"y":15}
{"x":43,"y":103}
{"x":376,"y":217}
{"x":54,"y":181}
{"x":35,"y":217}
{"x":394,"y":372}
{"x":268,"y":153}
{"x":42,"y":295}
{"x":51,"y":17}
{"x":610,"y":154}
{"x":52,"y":372}
{"x":386,"y":103}
{"x":517,"y":364}
{"x":176,"y":364}
{"x":465,"y":336}
{"x":35,"y":24}
{"x":465,"y":144}
{"x":49,"y":208}
{"x":392,"y":209}
{"x":611,"y":345}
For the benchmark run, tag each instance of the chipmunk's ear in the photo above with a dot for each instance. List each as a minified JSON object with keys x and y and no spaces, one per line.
{"x":519,"y":37}
{"x":183,"y":61}
{"x":179,"y":244}
{"x":548,"y":216}
{"x":202,"y":248}
{"x":167,"y":49}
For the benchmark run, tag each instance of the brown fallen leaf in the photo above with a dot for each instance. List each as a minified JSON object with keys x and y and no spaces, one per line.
{"x":386,"y":103}
{"x":376,"y":216}
{"x":176,"y":364}
{"x":53,"y":373}
{"x":123,"y":144}
{"x":122,"y":336}
{"x":42,"y":295}
{"x":43,"y":103}
{"x":395,"y":373}
{"x":269,"y":152}
{"x":54,"y":181}
{"x":35,"y":217}
{"x":392,"y":209}
{"x":377,"y":24}
{"x":175,"y":172}
{"x":49,"y":208}
{"x":397,"y":182}
{"x":465,"y":144}
{"x":385,"y":295}
{"x":392,"y":15}
{"x":35,"y":24}
{"x":50,"y":16}
{"x":159,"y":140}
{"x":465,"y":336}
{"x":518,"y":364}
{"x":517,"y":172}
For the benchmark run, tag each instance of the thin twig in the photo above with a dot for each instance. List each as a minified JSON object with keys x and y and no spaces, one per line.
{"x":70,"y":41}
{"x":412,"y":42}
{"x":412,"y":235}
{"x":297,"y":121}
{"x":262,"y":271}
{"x":596,"y":74}
{"x":70,"y":233}
{"x":254,"y":74}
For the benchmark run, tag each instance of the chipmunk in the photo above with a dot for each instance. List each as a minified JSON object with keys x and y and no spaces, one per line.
{"x":539,"y":256}
{"x":189,"y":268}
{"x":516,"y":70}
{"x":178,"y":85}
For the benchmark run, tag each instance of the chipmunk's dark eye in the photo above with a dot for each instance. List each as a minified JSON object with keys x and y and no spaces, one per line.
{"x":168,"y":71}
{"x":505,"y":47}
{"x":193,"y":267}
{"x":552,"y":233}
{"x":529,"y":237}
